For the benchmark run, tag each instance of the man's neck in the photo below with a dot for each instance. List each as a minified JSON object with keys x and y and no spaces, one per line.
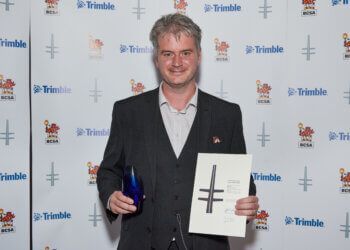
{"x":179,"y":97}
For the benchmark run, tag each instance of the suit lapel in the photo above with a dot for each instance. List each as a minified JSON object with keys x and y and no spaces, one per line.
{"x":151,"y":122}
{"x":204,"y":113}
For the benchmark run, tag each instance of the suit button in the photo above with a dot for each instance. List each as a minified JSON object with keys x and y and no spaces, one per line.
{"x":149,"y":230}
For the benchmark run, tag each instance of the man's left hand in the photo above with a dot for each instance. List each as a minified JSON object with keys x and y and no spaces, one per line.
{"x":247,"y":206}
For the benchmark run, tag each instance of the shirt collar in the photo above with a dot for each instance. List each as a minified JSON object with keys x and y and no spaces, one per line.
{"x":162,"y":100}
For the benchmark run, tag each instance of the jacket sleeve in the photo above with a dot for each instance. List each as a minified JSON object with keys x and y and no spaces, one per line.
{"x":110,"y":173}
{"x":238,"y":143}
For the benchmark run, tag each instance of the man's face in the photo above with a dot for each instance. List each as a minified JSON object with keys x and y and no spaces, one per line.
{"x":177,"y":59}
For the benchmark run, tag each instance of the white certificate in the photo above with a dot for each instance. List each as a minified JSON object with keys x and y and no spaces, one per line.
{"x":221,"y":179}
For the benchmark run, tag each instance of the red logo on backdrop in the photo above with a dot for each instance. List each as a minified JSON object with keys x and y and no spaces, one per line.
{"x":305,"y":134}
{"x":92,"y":171}
{"x":137,"y":88}
{"x":180,"y":6}
{"x":263,"y":91}
{"x":6,"y":222}
{"x":6,"y":89}
{"x":260,"y":221}
{"x":221,"y":48}
{"x":95,"y":48}
{"x":345,"y":180}
{"x":51,"y":7}
{"x":346,"y":46}
{"x":51,"y":131}
{"x":309,"y":8}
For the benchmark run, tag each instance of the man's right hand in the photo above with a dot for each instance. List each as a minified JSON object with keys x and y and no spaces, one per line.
{"x":121,"y":204}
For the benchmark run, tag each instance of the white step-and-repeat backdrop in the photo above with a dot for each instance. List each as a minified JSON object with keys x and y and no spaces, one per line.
{"x":286,"y":63}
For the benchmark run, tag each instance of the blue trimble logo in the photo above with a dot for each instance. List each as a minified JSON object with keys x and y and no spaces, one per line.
{"x":17,"y":176}
{"x":307,"y":92}
{"x":49,"y":89}
{"x":92,"y":5}
{"x":222,"y":8}
{"x":52,"y":216}
{"x":12,"y":43}
{"x":260,"y":49}
{"x":302,"y":222}
{"x":92,"y":132}
{"x":339,"y":2}
{"x":271,"y":177}
{"x":134,"y":49}
{"x":339,"y":136}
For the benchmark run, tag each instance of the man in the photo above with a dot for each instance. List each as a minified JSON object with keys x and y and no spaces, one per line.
{"x":160,"y":133}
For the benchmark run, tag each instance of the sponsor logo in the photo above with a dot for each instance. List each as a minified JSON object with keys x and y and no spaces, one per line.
{"x":48,"y":248}
{"x":95,"y":48}
{"x":347,"y":95}
{"x":6,"y":89}
{"x":222,"y":8}
{"x":7,"y":135}
{"x":309,"y":8}
{"x":180,"y":6}
{"x":51,"y":131}
{"x":92,"y":132}
{"x":345,"y":180}
{"x":137,"y":88}
{"x":260,"y":221}
{"x":95,"y":217}
{"x":222,"y":93}
{"x":49,"y":89}
{"x":305,"y":134}
{"x":17,"y":43}
{"x":346,"y":46}
{"x":93,"y":5}
{"x":138,"y":10}
{"x":263,"y":137}
{"x":7,"y":222}
{"x":263,"y":91}
{"x":7,"y":4}
{"x":17,"y":176}
{"x":346,"y":227}
{"x":135,"y":49}
{"x":49,"y":216}
{"x":302,"y":222}
{"x":339,"y":2}
{"x":265,"y":9}
{"x":52,"y":49}
{"x":268,"y":177}
{"x":339,"y":136}
{"x":92,"y":172}
{"x":308,"y":50}
{"x":52,"y":176}
{"x":221,"y":48}
{"x":95,"y":93}
{"x":307,"y":92}
{"x":51,"y":7}
{"x":305,"y":181}
{"x":262,"y":49}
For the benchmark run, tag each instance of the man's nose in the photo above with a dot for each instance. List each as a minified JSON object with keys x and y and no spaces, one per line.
{"x":177,"y":60}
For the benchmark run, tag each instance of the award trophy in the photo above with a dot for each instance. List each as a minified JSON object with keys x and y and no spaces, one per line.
{"x":132,"y":186}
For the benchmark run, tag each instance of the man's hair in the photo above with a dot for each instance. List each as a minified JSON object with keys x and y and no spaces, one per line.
{"x":175,"y":24}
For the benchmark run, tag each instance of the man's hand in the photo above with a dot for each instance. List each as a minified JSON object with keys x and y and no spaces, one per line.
{"x":121,"y":204}
{"x":247,"y":206}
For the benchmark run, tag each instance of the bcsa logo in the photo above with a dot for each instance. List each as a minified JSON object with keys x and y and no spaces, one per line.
{"x":6,"y":222}
{"x":180,"y":6}
{"x":92,"y":172}
{"x":261,"y":222}
{"x":6,"y":89}
{"x":345,"y":181}
{"x":346,"y":46}
{"x":305,"y":135}
{"x":309,"y":8}
{"x":51,"y":131}
{"x":137,"y":87}
{"x":263,"y":91}
{"x":221,"y":48}
{"x":95,"y":48}
{"x":51,"y":8}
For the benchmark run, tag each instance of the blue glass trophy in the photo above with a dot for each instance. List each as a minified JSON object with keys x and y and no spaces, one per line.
{"x":132,"y":186}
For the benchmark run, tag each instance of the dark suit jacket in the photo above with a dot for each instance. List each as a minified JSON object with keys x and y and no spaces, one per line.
{"x":132,"y":142}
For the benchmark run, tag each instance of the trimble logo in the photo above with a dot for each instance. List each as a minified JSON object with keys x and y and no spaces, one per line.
{"x":309,"y":8}
{"x":339,"y":136}
{"x":7,"y":222}
{"x":339,"y":2}
{"x":93,"y":5}
{"x":268,"y":177}
{"x":302,"y":222}
{"x":91,"y":132}
{"x":7,"y":89}
{"x":222,"y":8}
{"x":305,"y":135}
{"x":134,"y":49}
{"x":260,"y":221}
{"x":17,"y":176}
{"x":49,"y":216}
{"x":16,"y":43}
{"x":49,"y":89}
{"x":307,"y":92}
{"x":262,"y":49}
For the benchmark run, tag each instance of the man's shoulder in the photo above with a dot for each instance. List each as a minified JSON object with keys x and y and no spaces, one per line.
{"x":218,"y":103}
{"x":138,"y":99}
